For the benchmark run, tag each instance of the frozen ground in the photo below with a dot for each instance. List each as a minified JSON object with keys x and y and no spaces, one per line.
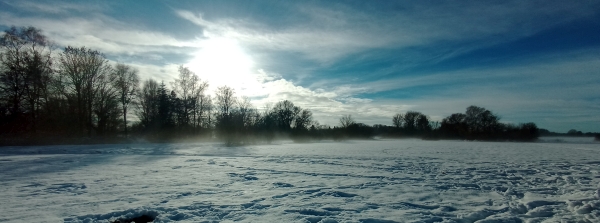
{"x":356,"y":181}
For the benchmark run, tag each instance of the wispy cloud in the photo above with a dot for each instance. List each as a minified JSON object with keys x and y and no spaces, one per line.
{"x":336,"y":31}
{"x":535,"y":77}
{"x":54,"y":7}
{"x":105,"y":33}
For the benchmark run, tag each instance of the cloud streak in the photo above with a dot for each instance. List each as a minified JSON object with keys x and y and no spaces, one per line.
{"x":54,"y":7}
{"x":328,"y":33}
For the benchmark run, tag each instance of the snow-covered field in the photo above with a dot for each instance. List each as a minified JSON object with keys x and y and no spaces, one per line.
{"x":376,"y":181}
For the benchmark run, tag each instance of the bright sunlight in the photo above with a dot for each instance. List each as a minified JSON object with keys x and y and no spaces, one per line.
{"x":221,"y":62}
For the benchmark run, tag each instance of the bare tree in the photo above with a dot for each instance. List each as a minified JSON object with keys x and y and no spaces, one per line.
{"x":190,"y":90}
{"x":247,"y":112}
{"x":148,"y":99}
{"x":198,"y":100}
{"x":303,"y":120}
{"x":480,"y":119}
{"x":126,"y":82}
{"x":225,"y":110}
{"x":398,"y":120}
{"x":410,"y":120}
{"x":423,"y":123}
{"x":346,"y":121}
{"x":285,"y":113}
{"x":184,"y":88}
{"x":81,"y":70}
{"x":268,"y":121}
{"x":225,"y":97}
{"x":205,"y":108}
{"x":106,"y":104}
{"x":25,"y":69}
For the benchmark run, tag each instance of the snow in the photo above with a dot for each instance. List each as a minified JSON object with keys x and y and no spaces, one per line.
{"x":376,"y":181}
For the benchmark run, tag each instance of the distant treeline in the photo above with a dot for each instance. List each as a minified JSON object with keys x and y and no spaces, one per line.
{"x":476,"y":123}
{"x":77,"y":96}
{"x":570,"y":133}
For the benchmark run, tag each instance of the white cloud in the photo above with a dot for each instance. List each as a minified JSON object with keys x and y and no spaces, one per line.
{"x":314,"y":43}
{"x":164,"y":73}
{"x":328,"y":106}
{"x":331,"y":33}
{"x":104,"y":34}
{"x":53,"y":7}
{"x":534,"y":78}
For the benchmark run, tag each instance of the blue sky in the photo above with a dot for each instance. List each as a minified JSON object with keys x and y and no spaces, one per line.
{"x":527,"y":61}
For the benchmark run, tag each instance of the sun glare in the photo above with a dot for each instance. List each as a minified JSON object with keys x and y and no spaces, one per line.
{"x":223,"y":62}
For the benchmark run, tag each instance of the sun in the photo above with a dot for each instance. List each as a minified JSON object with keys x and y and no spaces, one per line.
{"x":222,"y":61}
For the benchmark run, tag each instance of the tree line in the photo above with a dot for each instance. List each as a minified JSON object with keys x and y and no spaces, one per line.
{"x":77,"y":96}
{"x":476,"y":123}
{"x":75,"y":92}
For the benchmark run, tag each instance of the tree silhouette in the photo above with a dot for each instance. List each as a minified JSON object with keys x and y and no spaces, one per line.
{"x":423,"y":125}
{"x":398,"y":120}
{"x":166,"y":107}
{"x":190,"y":90}
{"x":574,"y":132}
{"x":454,"y":126}
{"x":25,"y":69}
{"x":303,"y":120}
{"x":148,"y":99}
{"x":106,"y":105}
{"x":81,"y":70}
{"x":285,"y":113}
{"x":411,"y":123}
{"x":126,"y":82}
{"x":346,"y":121}
{"x":225,"y":102}
{"x":480,"y":123}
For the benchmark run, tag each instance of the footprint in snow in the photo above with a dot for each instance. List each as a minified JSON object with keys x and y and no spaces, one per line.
{"x":281,"y":184}
{"x":77,"y":188}
{"x":243,"y":176}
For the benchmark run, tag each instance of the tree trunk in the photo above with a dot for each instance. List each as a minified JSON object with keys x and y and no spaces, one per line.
{"x":125,"y":120}
{"x":33,"y":122}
